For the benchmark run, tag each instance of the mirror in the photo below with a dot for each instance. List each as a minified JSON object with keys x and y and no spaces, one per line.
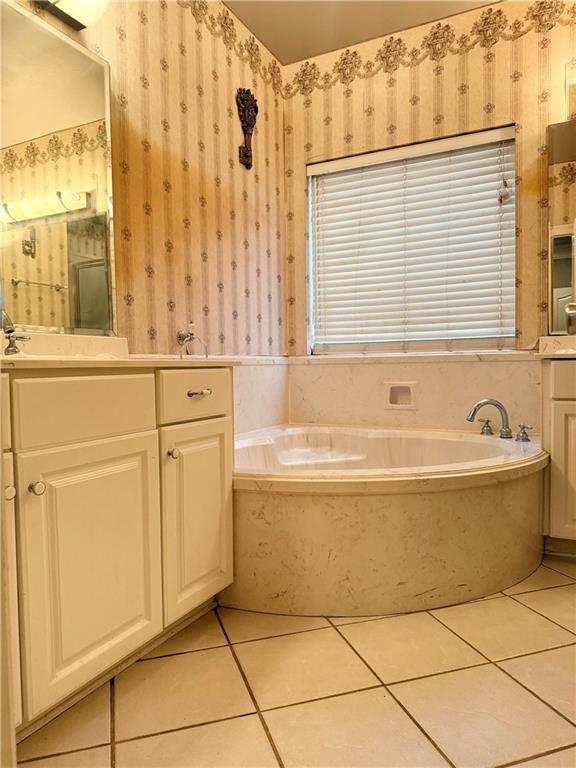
{"x":562,"y":226}
{"x":56,"y":190}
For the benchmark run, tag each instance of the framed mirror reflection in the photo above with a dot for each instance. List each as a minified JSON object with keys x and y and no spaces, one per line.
{"x":562,"y":226}
{"x":55,"y":180}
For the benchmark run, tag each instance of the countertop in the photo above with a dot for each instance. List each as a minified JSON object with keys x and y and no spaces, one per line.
{"x":46,"y":362}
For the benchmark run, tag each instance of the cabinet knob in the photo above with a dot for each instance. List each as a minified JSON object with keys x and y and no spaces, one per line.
{"x":174,"y":453}
{"x":10,"y":493}
{"x":38,"y":489}
{"x":199,"y":393}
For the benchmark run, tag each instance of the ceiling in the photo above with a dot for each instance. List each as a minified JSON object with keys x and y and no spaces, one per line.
{"x":294,"y":30}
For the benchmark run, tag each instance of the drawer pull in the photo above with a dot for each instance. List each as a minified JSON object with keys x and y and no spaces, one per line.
{"x":174,"y":453}
{"x":199,"y":393}
{"x":38,"y":489}
{"x":9,"y":493}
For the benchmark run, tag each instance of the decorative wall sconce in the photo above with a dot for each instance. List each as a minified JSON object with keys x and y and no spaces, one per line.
{"x":247,"y":112}
{"x":78,"y":14}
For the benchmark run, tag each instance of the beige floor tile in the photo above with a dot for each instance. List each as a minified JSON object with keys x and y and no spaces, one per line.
{"x":564,"y":759}
{"x":342,"y":621}
{"x":245,"y":625}
{"x":403,"y":647}
{"x":480,"y":717}
{"x":503,"y":628}
{"x":90,"y":758}
{"x":86,"y":724}
{"x":176,"y":691}
{"x":203,"y":633}
{"x":294,"y":668}
{"x":559,"y":605}
{"x":360,"y":729}
{"x":551,"y":674}
{"x":232,"y":744}
{"x":565,"y":565}
{"x":540,"y":579}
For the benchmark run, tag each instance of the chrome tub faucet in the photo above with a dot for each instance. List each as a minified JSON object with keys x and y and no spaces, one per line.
{"x":505,"y":431}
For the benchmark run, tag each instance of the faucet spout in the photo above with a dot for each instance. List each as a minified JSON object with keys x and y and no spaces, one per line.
{"x":505,"y":431}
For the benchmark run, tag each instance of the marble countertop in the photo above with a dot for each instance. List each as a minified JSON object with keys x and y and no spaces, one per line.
{"x":44,"y":362}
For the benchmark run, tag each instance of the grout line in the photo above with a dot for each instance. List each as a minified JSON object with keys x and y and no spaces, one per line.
{"x":184,"y":728}
{"x":495,"y":664}
{"x":535,"y":653}
{"x":524,"y":760}
{"x":61,"y":754}
{"x":251,"y":693}
{"x":398,"y":702}
{"x":535,"y":591}
{"x":553,"y":568}
{"x":266,"y":613}
{"x":180,"y":653}
{"x":536,"y":695}
{"x":284,"y":634}
{"x":542,"y":615}
{"x":323,"y":698}
{"x":459,"y":637}
{"x":113,"y":723}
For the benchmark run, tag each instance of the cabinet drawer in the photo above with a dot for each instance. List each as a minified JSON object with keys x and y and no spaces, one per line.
{"x":77,"y":408}
{"x":196,"y":394}
{"x":563,"y":379}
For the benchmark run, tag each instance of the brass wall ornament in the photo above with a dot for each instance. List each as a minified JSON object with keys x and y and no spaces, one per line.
{"x":247,"y":112}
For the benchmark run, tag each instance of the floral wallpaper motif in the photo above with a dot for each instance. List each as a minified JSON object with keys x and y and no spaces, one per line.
{"x":196,"y":235}
{"x":199,"y":237}
{"x":76,"y":159}
{"x":495,"y":66}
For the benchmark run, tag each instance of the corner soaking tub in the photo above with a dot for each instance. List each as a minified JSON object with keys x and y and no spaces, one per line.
{"x":344,"y":521}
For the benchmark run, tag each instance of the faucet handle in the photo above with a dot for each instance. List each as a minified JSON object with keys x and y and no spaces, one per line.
{"x":487,"y":428}
{"x":522,"y":436}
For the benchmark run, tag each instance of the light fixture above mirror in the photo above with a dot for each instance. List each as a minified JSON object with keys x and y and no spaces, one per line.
{"x":78,"y":14}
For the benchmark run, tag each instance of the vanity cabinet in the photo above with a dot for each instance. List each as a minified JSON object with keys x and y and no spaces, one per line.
{"x":11,"y":573}
{"x":196,"y":513}
{"x":90,"y":554}
{"x":559,"y":439}
{"x":123,"y":518}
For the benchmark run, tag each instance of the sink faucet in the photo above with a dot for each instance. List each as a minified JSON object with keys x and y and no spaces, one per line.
{"x":505,"y":432}
{"x":185,"y":337}
{"x":10,"y":333}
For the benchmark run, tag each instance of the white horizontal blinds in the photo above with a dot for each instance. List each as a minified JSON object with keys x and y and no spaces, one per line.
{"x":418,"y":250}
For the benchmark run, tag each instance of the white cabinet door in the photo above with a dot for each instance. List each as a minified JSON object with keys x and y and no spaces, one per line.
{"x":196,"y":513}
{"x":563,"y":469}
{"x":12,"y":584}
{"x":90,"y":559}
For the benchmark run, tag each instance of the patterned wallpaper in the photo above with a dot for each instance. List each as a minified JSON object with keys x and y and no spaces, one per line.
{"x":197,"y":236}
{"x":499,"y":65}
{"x":74,"y":159}
{"x":562,"y":193}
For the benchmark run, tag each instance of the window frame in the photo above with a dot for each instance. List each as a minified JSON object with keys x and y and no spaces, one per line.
{"x":376,"y":157}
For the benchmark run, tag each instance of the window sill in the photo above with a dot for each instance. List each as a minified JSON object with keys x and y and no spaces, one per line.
{"x":435,"y":356}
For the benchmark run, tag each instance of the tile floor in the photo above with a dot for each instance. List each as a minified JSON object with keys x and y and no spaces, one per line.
{"x":486,"y":684}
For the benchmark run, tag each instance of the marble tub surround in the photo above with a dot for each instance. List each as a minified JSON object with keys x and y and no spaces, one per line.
{"x":353,"y":390}
{"x":348,"y":521}
{"x":260,"y":393}
{"x":373,"y":554}
{"x":415,"y":691}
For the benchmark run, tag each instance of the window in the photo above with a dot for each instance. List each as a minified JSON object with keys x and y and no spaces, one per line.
{"x":415,"y":247}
